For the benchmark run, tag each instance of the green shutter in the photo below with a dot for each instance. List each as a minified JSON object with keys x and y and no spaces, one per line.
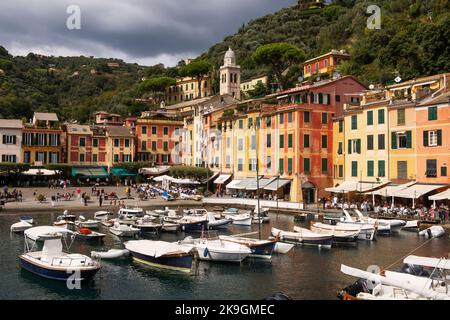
{"x":354,"y":122}
{"x":408,"y":139}
{"x":290,"y":141}
{"x":290,"y":165}
{"x":324,"y":142}
{"x":381,"y":168}
{"x":324,"y":166}
{"x":439,"y":137}
{"x":282,"y":141}
{"x":432,"y":113}
{"x":380,"y":116}
{"x":354,"y":168}
{"x":358,"y":146}
{"x":370,"y":168}
{"x":349,"y":147}
{"x":306,"y":165}
{"x":281,"y":166}
{"x":425,"y":138}
{"x":394,"y":140}
{"x":369,"y":118}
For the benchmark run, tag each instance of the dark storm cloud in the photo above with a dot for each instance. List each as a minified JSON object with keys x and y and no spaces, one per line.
{"x":135,"y":30}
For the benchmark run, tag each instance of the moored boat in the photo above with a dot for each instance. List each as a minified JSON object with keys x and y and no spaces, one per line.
{"x":27,"y":219}
{"x":20,"y":227}
{"x":52,"y":262}
{"x":366,"y":232}
{"x":102,"y":215}
{"x":433,"y":232}
{"x":88,"y":235}
{"x":193,"y":224}
{"x":262,"y":249}
{"x":122,"y":230}
{"x":110,"y":254}
{"x":214,"y":223}
{"x":244,"y":219}
{"x":161,"y":254}
{"x":339,"y":237}
{"x":147,"y":225}
{"x":305,"y":237}
{"x":84,"y":223}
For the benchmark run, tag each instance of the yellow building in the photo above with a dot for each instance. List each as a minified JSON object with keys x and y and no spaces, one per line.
{"x":187,"y":89}
{"x":120,"y":145}
{"x":338,"y":150}
{"x":251,"y":83}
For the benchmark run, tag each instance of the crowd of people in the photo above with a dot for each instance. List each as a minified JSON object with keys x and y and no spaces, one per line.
{"x":15,"y":195}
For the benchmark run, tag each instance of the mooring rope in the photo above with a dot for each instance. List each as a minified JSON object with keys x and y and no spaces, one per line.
{"x":409,"y":253}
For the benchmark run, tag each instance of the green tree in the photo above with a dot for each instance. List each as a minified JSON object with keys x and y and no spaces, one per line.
{"x":157,"y":87}
{"x":197,"y":69}
{"x":279,"y":57}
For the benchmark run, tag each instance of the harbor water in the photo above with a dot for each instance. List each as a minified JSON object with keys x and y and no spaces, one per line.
{"x":304,"y":273}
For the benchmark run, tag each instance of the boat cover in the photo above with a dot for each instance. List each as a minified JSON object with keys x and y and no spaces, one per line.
{"x":42,"y":231}
{"x":428,"y":262}
{"x":156,"y":248}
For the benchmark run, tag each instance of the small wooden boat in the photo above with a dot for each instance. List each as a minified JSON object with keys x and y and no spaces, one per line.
{"x":214,"y":223}
{"x":193,"y":224}
{"x":365,"y":232}
{"x":88,"y":235}
{"x":84,"y":223}
{"x":305,"y":237}
{"x":161,"y":254}
{"x":122,"y":230}
{"x":147,"y":225}
{"x":20,"y":227}
{"x":339,"y":236}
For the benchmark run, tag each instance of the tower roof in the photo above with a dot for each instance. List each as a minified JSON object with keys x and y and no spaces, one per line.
{"x":230,"y":54}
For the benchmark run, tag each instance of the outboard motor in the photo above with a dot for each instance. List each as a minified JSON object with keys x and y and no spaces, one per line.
{"x":414,"y":270}
{"x":359,"y":286}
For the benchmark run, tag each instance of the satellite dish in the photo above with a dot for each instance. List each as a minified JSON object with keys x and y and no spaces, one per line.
{"x":371,"y":87}
{"x":398,"y":79}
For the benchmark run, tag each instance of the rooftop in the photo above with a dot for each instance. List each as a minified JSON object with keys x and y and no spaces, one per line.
{"x":11,"y":123}
{"x":44,"y":116}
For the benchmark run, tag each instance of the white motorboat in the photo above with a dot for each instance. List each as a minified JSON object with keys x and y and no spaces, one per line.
{"x":52,"y":262}
{"x":20,"y":226}
{"x":411,"y":225}
{"x":27,"y":219}
{"x":66,"y":224}
{"x":110,"y":254}
{"x":102,"y":215}
{"x":399,"y":286}
{"x":393,"y":223}
{"x":161,"y":254}
{"x":214,"y":223}
{"x":244,"y":219}
{"x":379,"y":226}
{"x":366,"y":232}
{"x":282,"y":247}
{"x":130,"y":215}
{"x":212,"y":248}
{"x":261,"y":249}
{"x":433,"y":232}
{"x":147,"y":224}
{"x":123,"y":230}
{"x":84,"y":223}
{"x":170,"y":226}
{"x":304,"y":236}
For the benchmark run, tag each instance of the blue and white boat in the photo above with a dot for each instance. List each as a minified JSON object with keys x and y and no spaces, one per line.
{"x":161,"y":254}
{"x":193,"y":223}
{"x":262,"y":249}
{"x":52,"y":262}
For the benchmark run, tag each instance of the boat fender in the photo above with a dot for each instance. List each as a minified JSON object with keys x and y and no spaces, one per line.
{"x":429,"y":233}
{"x":206,"y":252}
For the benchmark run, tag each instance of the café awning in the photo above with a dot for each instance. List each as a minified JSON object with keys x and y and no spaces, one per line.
{"x":164,"y":177}
{"x":233,"y":184}
{"x":40,"y":172}
{"x":222,"y":178}
{"x":417,"y":190}
{"x":122,"y":172}
{"x":277,"y":184}
{"x":253,"y":186}
{"x":354,"y":186}
{"x":441,"y":196}
{"x":390,"y":190}
{"x":155,"y":171}
{"x":89,"y":172}
{"x":244,"y":183}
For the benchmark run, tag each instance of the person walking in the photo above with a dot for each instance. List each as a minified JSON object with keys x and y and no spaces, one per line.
{"x":100,"y":200}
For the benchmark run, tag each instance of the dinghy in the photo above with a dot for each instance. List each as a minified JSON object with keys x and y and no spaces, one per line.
{"x":88,"y":235}
{"x":283,"y":248}
{"x":412,"y":225}
{"x":213,"y":223}
{"x":52,"y":262}
{"x":20,"y":227}
{"x":305,"y":237}
{"x":122,"y":230}
{"x":432,"y":232}
{"x":147,"y":225}
{"x":27,"y":219}
{"x":161,"y":254}
{"x":110,"y":254}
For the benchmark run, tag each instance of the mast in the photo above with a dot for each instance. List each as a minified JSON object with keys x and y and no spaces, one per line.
{"x":257,"y":176}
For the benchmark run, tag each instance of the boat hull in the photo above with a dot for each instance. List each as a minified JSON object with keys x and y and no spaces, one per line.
{"x":57,"y":274}
{"x":179,"y":262}
{"x":194,"y":226}
{"x":220,"y":224}
{"x":210,"y":254}
{"x":170,"y":227}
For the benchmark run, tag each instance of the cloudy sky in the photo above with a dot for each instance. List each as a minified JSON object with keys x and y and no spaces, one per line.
{"x":142,"y":31}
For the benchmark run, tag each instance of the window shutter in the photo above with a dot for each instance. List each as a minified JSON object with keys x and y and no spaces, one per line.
{"x":4,"y":139}
{"x":425,"y":138}
{"x":349,"y":146}
{"x":14,"y":139}
{"x":328,"y":98}
{"x":394,"y":140}
{"x":439,"y":137}
{"x":408,"y":139}
{"x":358,"y":146}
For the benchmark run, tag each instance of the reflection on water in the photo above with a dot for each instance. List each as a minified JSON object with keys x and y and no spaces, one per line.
{"x":304,"y":273}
